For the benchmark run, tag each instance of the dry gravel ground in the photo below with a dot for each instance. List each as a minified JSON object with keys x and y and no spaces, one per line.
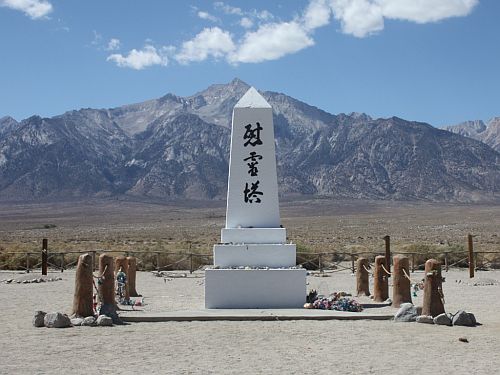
{"x":324,"y":347}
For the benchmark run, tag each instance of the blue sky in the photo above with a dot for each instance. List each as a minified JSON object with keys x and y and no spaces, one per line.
{"x":436,"y":61}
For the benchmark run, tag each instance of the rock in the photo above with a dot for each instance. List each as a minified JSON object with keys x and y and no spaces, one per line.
{"x":9,"y":281}
{"x":463,"y":318}
{"x":38,"y":319}
{"x":425,"y":319}
{"x":104,"y":321}
{"x":463,"y":339}
{"x":56,"y":320}
{"x":76,"y":321}
{"x":88,"y":321}
{"x":407,"y":313}
{"x":442,"y":320}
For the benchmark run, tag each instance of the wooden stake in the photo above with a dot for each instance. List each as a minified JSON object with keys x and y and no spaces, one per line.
{"x":132,"y":271}
{"x":433,"y":303}
{"x":362,"y":278}
{"x":471,"y":256}
{"x":45,"y":250}
{"x":387,"y":240}
{"x":401,"y":291}
{"x":381,"y":283}
{"x":82,"y":300}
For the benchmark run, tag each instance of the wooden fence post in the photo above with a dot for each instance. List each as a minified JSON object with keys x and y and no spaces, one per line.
{"x":446,"y":262}
{"x":471,"y":256}
{"x":387,"y":240}
{"x":362,"y":281}
{"x":132,"y":272}
{"x":433,"y":302}
{"x":191,"y":263}
{"x":62,"y":262}
{"x":320,"y":263}
{"x":381,"y":283}
{"x":82,"y":299}
{"x":353,"y":267}
{"x":401,"y":291}
{"x":158,"y":261}
{"x":44,"y":256}
{"x":27,"y":262}
{"x":413,"y":262}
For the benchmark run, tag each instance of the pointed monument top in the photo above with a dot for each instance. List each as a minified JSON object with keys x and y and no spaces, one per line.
{"x":252,"y":99}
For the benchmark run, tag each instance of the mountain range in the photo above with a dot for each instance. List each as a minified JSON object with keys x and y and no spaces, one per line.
{"x":178,"y":148}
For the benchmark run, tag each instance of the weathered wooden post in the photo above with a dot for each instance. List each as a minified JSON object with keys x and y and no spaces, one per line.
{"x":121,"y":262}
{"x":27,"y":262}
{"x":132,"y":271}
{"x":62,"y":262}
{"x":387,"y":240}
{"x":352,"y":264}
{"x":362,"y":281}
{"x":158,"y":262}
{"x":381,"y":283}
{"x":107,"y":288}
{"x":471,"y":256}
{"x":401,"y":291}
{"x":446,"y":267}
{"x":82,"y":299}
{"x":433,"y":303}
{"x":45,"y":254}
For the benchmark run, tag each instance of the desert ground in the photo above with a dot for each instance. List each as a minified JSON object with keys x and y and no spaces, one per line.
{"x":223,"y":347}
{"x":349,"y":347}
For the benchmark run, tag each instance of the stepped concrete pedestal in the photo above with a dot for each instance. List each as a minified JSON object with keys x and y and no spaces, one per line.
{"x":254,"y":267}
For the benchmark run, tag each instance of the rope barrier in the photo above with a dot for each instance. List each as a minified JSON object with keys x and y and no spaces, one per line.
{"x":406,"y":275}
{"x":385,"y":269}
{"x":368,"y":271}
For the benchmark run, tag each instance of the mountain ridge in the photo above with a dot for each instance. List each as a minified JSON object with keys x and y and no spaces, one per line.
{"x":178,"y":148}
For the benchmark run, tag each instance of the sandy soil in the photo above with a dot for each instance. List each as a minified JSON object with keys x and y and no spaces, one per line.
{"x":347,"y":347}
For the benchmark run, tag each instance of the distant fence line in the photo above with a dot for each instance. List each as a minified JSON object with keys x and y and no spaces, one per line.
{"x":189,"y":261}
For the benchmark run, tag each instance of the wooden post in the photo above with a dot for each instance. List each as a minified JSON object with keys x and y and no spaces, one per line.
{"x":27,"y":262}
{"x":158,"y":261}
{"x":107,"y":288}
{"x":320,"y":263}
{"x":82,"y":299}
{"x":353,"y":268}
{"x":401,"y":291}
{"x":45,"y":254}
{"x":362,"y":281}
{"x":121,"y":262}
{"x":433,"y":303}
{"x":387,"y":240}
{"x":446,"y":262}
{"x":132,"y":270}
{"x":62,"y":262}
{"x":471,"y":256}
{"x":191,"y":266}
{"x":413,"y":262}
{"x":93,"y":261}
{"x":381,"y":283}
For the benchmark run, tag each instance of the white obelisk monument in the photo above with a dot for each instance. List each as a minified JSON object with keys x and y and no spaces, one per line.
{"x":254,"y":267}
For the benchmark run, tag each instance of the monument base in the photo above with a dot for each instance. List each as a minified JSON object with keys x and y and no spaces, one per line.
{"x":255,"y":255}
{"x":255,"y":289}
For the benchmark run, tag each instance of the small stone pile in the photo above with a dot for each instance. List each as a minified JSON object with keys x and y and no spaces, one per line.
{"x":61,"y":320}
{"x":32,"y":281}
{"x":410,"y":313}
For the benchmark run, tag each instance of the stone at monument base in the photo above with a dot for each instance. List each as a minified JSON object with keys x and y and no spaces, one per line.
{"x":255,"y":255}
{"x":255,"y":288}
{"x":253,"y":235}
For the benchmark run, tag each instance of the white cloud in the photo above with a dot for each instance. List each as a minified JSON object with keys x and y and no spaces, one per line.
{"x":212,"y":42}
{"x":140,"y":59}
{"x":228,"y":9}
{"x":270,"y":42}
{"x":113,"y":44}
{"x":207,"y":16}
{"x":364,"y":17}
{"x":33,"y":8}
{"x":273,"y":40}
{"x":423,"y":11}
{"x":317,"y":14}
{"x":246,"y":22}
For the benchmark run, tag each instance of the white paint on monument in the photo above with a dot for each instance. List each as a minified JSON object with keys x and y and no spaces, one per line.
{"x":253,"y":236}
